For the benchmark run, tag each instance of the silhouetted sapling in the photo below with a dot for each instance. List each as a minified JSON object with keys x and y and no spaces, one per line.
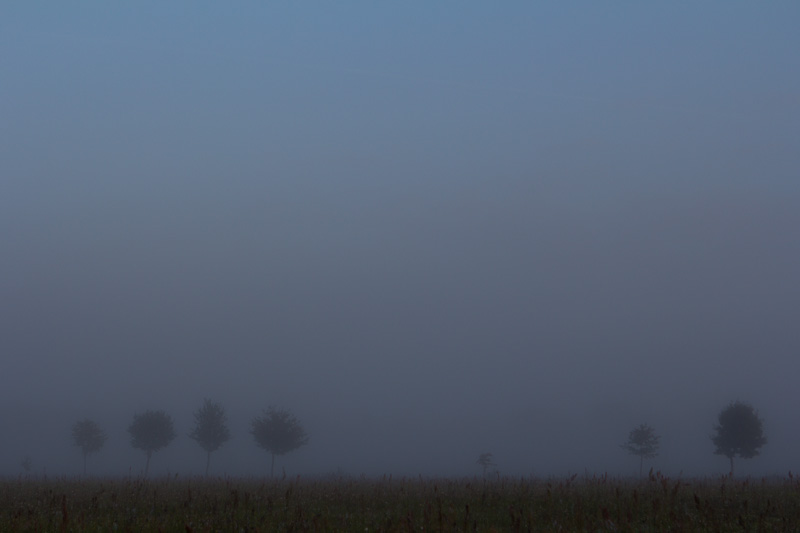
{"x":739,"y":432}
{"x":26,"y":464}
{"x":210,"y":428}
{"x":88,"y":437}
{"x":278,"y":432}
{"x":151,"y":431}
{"x":642,"y":441}
{"x":485,"y":460}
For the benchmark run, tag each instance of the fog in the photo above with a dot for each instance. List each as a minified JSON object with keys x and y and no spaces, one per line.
{"x":429,"y":231}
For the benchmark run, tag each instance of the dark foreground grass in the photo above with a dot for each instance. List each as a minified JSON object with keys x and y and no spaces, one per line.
{"x":594,"y":504}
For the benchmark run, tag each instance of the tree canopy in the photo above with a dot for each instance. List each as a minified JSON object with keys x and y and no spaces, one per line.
{"x":278,"y":432}
{"x":210,"y":428}
{"x":151,"y":431}
{"x":642,"y":442}
{"x":88,"y":437}
{"x":485,"y":460}
{"x":739,"y":432}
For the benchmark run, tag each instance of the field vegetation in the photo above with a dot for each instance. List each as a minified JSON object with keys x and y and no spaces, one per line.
{"x":655,"y":503}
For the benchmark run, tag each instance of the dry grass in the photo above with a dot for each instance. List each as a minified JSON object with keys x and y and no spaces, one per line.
{"x":595,"y":504}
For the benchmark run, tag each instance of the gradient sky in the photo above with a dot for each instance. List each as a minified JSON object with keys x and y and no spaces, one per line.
{"x":429,"y":229}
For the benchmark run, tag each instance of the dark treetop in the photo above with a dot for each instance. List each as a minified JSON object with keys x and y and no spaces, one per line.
{"x":88,"y":436}
{"x":739,"y":432}
{"x":210,"y":426}
{"x":642,"y":441}
{"x":278,"y":431}
{"x":151,"y":431}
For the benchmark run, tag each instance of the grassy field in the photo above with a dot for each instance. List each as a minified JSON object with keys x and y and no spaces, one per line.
{"x":656,"y":503}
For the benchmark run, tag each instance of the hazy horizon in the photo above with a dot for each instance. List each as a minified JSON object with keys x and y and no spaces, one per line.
{"x":430,"y":231}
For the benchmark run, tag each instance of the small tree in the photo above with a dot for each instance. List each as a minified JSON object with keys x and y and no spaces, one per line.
{"x":88,"y":437}
{"x":739,"y":432}
{"x":642,"y":441}
{"x":278,"y":432}
{"x":210,"y":428}
{"x":485,"y":460}
{"x":26,"y":464}
{"x":151,"y":431}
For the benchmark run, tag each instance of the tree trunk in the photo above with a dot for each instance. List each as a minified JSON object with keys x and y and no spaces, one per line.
{"x":84,"y":463}
{"x":272,"y":468}
{"x":641,"y":462}
{"x":208,"y":463}
{"x":147,"y":464}
{"x":731,"y":458}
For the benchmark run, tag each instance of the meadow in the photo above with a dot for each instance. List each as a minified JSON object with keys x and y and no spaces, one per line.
{"x":655,"y":503}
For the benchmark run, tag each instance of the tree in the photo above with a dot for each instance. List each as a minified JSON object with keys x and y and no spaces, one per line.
{"x":739,"y":432}
{"x":278,"y":432}
{"x":26,"y":464}
{"x":210,"y":428}
{"x":642,"y":441}
{"x":151,"y":431}
{"x":88,"y":437}
{"x":485,"y":460}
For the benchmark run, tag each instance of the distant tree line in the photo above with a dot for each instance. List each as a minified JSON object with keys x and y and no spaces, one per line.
{"x":276,"y":431}
{"x":739,"y":433}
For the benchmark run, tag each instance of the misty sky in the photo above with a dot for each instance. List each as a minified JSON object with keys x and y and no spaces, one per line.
{"x":429,"y":229}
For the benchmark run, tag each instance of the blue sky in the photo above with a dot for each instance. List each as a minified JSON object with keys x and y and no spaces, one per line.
{"x":457,"y":214}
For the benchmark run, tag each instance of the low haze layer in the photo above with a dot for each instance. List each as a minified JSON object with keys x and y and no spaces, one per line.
{"x":428,"y":231}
